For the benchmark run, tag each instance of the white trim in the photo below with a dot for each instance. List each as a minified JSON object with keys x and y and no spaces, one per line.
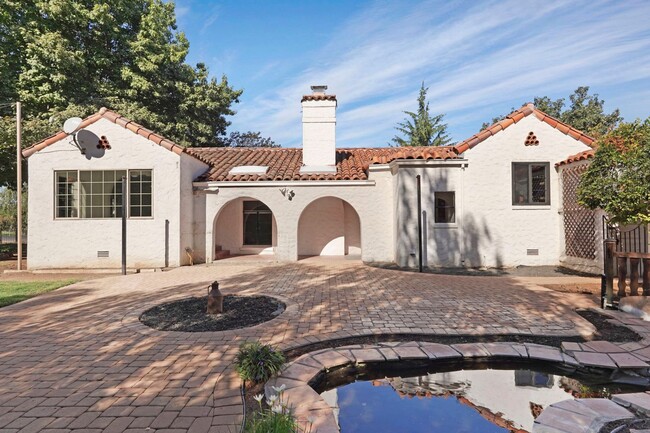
{"x":317,"y":169}
{"x":210,"y":186}
{"x":428,"y":162}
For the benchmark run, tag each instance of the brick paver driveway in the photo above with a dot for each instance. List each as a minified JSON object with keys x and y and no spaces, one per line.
{"x":77,"y":359}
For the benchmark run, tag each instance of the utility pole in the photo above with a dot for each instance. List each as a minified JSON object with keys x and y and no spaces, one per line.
{"x":19,"y":186}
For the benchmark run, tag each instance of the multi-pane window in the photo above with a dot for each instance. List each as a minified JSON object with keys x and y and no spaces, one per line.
{"x":258,"y":223}
{"x":140,"y":193}
{"x":67,"y":188}
{"x":445,"y":207}
{"x":530,"y":183}
{"x":98,"y":193}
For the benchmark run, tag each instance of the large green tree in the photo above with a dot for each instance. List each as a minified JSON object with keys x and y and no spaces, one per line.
{"x":584,"y":112}
{"x":618,"y":179}
{"x":67,"y":58}
{"x":420,"y":128}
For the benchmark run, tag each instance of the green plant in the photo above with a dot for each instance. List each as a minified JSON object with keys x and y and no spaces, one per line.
{"x":258,"y":362}
{"x":276,"y":417}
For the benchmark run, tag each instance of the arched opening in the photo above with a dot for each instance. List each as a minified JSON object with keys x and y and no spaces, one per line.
{"x":329,"y":226}
{"x":244,"y":226}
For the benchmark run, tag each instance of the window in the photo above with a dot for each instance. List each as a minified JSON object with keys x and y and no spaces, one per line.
{"x":445,"y":207}
{"x":258,"y":223}
{"x":530,"y":183}
{"x":140,"y":193}
{"x":92,"y":194}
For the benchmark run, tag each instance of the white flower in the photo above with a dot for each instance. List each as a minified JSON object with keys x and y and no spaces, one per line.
{"x":279,"y":389}
{"x":276,"y":408}
{"x":271,"y":400}
{"x":259,"y":398}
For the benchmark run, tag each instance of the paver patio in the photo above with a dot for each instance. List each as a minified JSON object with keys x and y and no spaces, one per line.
{"x":77,"y":359}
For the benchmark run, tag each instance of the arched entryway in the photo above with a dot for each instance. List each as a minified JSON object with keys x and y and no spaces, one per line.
{"x":329,"y":226}
{"x":244,"y":226}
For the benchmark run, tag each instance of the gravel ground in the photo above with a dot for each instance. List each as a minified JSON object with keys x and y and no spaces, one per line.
{"x":189,"y":315}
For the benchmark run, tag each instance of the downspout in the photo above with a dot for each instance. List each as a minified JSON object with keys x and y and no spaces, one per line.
{"x":461,"y":230}
{"x":419,"y":192}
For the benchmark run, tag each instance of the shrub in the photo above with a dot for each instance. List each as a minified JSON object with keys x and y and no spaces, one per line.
{"x":258,"y":362}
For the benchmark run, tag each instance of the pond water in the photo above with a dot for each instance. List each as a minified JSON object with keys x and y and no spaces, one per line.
{"x":463,"y":401}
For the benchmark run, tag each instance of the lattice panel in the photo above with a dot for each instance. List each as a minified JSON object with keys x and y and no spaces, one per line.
{"x":579,"y":222}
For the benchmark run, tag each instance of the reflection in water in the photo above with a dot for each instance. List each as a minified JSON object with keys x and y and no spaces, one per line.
{"x":464,"y":401}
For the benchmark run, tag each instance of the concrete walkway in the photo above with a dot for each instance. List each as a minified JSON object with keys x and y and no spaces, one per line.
{"x":77,"y":359}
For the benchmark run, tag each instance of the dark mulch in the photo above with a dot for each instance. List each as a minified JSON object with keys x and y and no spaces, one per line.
{"x":624,"y":425}
{"x":189,"y":315}
{"x":604,"y":331}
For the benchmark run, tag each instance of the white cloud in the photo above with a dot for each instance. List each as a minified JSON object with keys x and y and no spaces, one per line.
{"x":498,"y":53}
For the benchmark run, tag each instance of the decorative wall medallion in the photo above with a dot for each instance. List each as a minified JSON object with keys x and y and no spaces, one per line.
{"x":531,"y":140}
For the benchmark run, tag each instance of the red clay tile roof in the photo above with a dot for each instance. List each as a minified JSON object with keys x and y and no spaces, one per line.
{"x":515,"y":117}
{"x":284,"y":164}
{"x":105,"y":113}
{"x":582,"y":156}
{"x":318,"y":97}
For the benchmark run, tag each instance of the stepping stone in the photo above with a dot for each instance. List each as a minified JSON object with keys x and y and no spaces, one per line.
{"x":501,"y":349}
{"x":560,"y":420}
{"x":300,"y":372}
{"x":627,"y":360}
{"x":544,"y":353}
{"x":367,"y":355}
{"x":603,"y":347}
{"x":332,"y":358}
{"x":594,"y":359}
{"x":638,"y":401}
{"x":409,"y":352}
{"x":439,"y":351}
{"x":605,"y":408}
{"x":471,"y":350}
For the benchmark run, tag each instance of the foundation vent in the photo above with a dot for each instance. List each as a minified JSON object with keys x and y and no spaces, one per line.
{"x":102,"y":254}
{"x":532,"y":252}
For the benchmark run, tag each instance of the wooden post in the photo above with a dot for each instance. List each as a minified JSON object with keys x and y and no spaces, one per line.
{"x":634,"y":276}
{"x":19,"y":186}
{"x":646,"y":276}
{"x":609,"y":268}
{"x":622,"y":275}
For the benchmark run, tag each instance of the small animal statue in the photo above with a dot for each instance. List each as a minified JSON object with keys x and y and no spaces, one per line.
{"x":215,"y":299}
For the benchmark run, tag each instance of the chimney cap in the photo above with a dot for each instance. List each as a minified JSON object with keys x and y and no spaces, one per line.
{"x":319,"y":89}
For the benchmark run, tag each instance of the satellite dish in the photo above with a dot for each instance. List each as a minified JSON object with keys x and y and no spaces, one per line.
{"x":71,"y":125}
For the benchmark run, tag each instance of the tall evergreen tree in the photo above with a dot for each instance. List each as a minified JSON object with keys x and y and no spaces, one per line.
{"x":67,"y":58}
{"x":420,"y":128}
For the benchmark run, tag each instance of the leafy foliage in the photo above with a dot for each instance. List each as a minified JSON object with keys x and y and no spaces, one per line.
{"x":618,"y":178}
{"x":275,"y":418}
{"x":9,"y":209}
{"x":66,"y":58}
{"x":258,"y":362}
{"x":248,"y":139}
{"x":422,"y":129}
{"x":585,"y":112}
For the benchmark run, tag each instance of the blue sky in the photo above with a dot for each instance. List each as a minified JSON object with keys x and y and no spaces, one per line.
{"x":479,"y":59}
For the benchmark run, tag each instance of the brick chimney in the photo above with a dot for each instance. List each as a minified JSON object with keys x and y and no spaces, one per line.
{"x":318,"y":131}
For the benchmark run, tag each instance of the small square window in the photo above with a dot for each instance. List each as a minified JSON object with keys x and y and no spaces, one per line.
{"x":445,"y":207}
{"x":530,"y":183}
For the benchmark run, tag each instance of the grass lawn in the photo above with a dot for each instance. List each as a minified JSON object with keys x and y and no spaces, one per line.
{"x":16,"y":291}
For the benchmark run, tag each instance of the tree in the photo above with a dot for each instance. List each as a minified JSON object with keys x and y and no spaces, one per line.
{"x":421,"y":129}
{"x":248,"y":139}
{"x":585,"y":112}
{"x":9,"y":209}
{"x":618,"y":179}
{"x":67,"y":58}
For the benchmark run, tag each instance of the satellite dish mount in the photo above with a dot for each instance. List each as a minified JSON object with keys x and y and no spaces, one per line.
{"x":71,"y":127}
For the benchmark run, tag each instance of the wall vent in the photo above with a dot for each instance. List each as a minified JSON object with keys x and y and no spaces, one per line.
{"x":532,"y":252}
{"x":102,"y":254}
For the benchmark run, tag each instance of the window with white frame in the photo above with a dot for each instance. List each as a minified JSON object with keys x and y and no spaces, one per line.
{"x":93,"y":194}
{"x":444,"y":207}
{"x":531,"y":183}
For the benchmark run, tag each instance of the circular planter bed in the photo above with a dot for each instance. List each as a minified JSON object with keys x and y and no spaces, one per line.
{"x":189,"y":314}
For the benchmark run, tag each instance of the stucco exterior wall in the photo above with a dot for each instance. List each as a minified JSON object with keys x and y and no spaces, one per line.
{"x":503,"y":232}
{"x":372,"y":203}
{"x":191,"y":211}
{"x":74,"y":243}
{"x":229,"y":230}
{"x":443,"y":243}
{"x":328,"y":227}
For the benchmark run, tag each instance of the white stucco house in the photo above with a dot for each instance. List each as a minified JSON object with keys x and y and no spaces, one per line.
{"x":492,"y":200}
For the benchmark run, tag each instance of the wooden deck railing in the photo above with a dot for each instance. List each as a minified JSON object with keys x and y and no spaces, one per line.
{"x":617,"y":264}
